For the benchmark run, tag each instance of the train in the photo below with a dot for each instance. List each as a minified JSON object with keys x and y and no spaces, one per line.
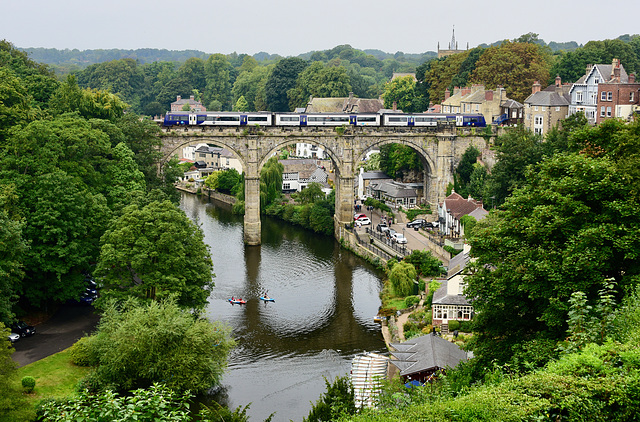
{"x":265,"y":118}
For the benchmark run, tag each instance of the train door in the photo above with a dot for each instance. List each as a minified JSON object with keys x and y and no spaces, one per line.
{"x":459,"y":120}
{"x":353,"y":120}
{"x":303,"y":120}
{"x":411,"y":121}
{"x":193,"y":119}
{"x":243,"y":120}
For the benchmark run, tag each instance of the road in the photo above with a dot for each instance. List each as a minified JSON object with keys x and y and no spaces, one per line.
{"x":58,"y":333}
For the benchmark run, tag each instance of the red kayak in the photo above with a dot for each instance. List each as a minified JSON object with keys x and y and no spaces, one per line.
{"x":237,"y":302}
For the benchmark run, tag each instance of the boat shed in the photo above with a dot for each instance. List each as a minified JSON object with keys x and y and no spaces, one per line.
{"x":422,"y":357}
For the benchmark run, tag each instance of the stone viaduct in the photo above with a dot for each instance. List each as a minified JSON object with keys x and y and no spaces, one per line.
{"x":440,"y":152}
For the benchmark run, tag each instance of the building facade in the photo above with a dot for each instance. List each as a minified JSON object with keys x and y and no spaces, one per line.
{"x":618,"y":99}
{"x":194,"y":105}
{"x":544,"y":109}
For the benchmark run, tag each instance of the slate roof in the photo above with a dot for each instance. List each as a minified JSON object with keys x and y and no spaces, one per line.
{"x":457,"y":264}
{"x":426,"y":353}
{"x":511,"y":104}
{"x":606,"y":72}
{"x":551,"y":97}
{"x":440,"y":297}
{"x":374,"y":175}
{"x":344,"y":105}
{"x":394,"y":189}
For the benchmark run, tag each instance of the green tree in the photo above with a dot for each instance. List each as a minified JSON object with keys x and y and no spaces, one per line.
{"x":571,"y":225}
{"x":140,"y":344}
{"x":126,"y":180}
{"x":402,"y":92}
{"x":337,"y":402}
{"x":402,"y":277}
{"x":516,"y":66}
{"x":14,"y":406}
{"x":281,"y":79}
{"x":143,"y":254}
{"x":218,"y":76}
{"x":311,"y":194}
{"x":270,"y":182}
{"x":425,"y":263}
{"x":465,"y":169}
{"x":397,"y":159}
{"x":241,"y":105}
{"x":319,"y":81}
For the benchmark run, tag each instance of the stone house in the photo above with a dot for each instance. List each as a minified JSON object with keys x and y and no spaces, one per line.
{"x":585,"y":91}
{"x":543,"y":109}
{"x":365,"y":178}
{"x":477,"y":99}
{"x":298,"y":174}
{"x":396,"y":193}
{"x":179,"y":103}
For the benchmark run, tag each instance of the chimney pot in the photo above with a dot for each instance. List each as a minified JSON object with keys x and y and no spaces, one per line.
{"x":632,"y":78}
{"x":179,"y":98}
{"x":536,"y":87}
{"x":447,"y":94}
{"x":395,"y":106}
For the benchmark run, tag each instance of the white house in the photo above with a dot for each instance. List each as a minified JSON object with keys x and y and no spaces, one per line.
{"x":455,"y":207}
{"x":309,"y":151}
{"x":449,"y":301}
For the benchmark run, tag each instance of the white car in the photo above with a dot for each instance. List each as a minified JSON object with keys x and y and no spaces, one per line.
{"x":399,"y":238}
{"x":13,"y":337}
{"x":363,"y":221}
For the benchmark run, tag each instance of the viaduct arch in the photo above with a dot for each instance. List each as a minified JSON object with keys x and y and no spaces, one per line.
{"x":440,"y":151}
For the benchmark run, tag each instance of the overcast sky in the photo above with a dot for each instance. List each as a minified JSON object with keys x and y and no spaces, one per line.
{"x":290,"y":28}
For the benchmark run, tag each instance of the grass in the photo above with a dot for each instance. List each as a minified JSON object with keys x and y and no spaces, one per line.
{"x":55,"y":375}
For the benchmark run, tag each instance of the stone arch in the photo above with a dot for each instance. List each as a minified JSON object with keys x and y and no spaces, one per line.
{"x":290,"y":141}
{"x":216,"y":140}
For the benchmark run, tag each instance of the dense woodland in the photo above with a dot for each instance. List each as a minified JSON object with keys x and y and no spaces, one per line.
{"x":554,"y":283}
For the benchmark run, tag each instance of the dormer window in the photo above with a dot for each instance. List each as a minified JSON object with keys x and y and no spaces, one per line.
{"x":579,"y":96}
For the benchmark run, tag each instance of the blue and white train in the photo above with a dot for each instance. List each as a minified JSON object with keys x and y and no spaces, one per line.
{"x":262,"y":118}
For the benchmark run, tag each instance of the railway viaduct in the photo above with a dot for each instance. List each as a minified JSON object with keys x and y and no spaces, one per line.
{"x":440,"y":151}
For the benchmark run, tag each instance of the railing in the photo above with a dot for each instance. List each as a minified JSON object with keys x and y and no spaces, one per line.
{"x":372,"y":248}
{"x":401,"y":249}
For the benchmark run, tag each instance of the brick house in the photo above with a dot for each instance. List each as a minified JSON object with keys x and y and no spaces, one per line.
{"x":543,"y":109}
{"x":618,"y":99}
{"x":453,"y":208}
{"x":179,"y":103}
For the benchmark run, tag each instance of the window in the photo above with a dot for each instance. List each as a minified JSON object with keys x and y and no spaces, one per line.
{"x":596,"y":80}
{"x":603,"y":96}
{"x":538,"y":121}
{"x":544,"y":108}
{"x":608,"y":111}
{"x":286,"y":186}
{"x":557,"y":108}
{"x":535,"y":108}
{"x":602,"y":111}
{"x":579,"y":96}
{"x":609,"y":96}
{"x":631,"y":96}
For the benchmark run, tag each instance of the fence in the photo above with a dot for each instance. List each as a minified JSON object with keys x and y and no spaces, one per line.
{"x":402,"y":250}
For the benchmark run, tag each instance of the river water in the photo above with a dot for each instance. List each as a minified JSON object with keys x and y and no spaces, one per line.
{"x":325,"y":301}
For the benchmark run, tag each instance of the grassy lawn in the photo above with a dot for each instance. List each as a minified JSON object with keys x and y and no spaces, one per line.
{"x":55,"y":376}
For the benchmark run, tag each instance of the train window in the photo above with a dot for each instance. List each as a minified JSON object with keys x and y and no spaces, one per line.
{"x":424,"y":119}
{"x":338,"y":119}
{"x":397,"y":119}
{"x":316,"y":119}
{"x":366,"y":119}
{"x":257,"y":118}
{"x":228,"y":118}
{"x":289,"y":118}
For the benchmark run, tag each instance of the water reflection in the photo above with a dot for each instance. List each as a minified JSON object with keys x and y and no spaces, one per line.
{"x":325,"y":300}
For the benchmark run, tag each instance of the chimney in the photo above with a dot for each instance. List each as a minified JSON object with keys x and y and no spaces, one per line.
{"x":447,"y":94}
{"x":615,"y":70}
{"x":589,"y":67}
{"x":632,"y":78}
{"x":179,"y":98}
{"x":394,"y":106}
{"x":466,"y":91}
{"x":193,"y":98}
{"x":488,"y":95}
{"x":558,"y":81}
{"x":456,"y":90}
{"x":536,"y":87}
{"x":350,"y":96}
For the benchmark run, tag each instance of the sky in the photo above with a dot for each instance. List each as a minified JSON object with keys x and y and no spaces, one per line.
{"x":290,"y":28}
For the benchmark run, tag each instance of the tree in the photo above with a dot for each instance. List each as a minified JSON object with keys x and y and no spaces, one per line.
{"x":319,"y":81}
{"x":571,"y":225}
{"x":241,"y":105}
{"x":338,"y":401}
{"x":250,"y":85}
{"x":516,"y":66}
{"x":145,"y":253}
{"x":280,"y":81}
{"x":126,"y":180}
{"x":218,"y":77}
{"x":402,"y":276}
{"x":14,"y":406}
{"x":311,"y":194}
{"x":465,"y":169}
{"x":397,"y":159}
{"x":400,"y":91}
{"x":139,"y":344}
{"x":425,"y":263}
{"x":12,"y":259}
{"x":270,"y":182}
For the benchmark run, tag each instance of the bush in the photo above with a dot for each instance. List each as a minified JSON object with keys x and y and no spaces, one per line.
{"x":454,"y":325}
{"x":28,"y":383}
{"x":81,"y":353}
{"x":409,"y":301}
{"x":466,"y":326}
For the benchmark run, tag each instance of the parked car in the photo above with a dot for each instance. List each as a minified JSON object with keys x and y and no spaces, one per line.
{"x":382,"y":228}
{"x":363,"y":221}
{"x":399,"y":238}
{"x":13,"y":337}
{"x":419,"y":222}
{"x":432,"y":224}
{"x":390,"y":233}
{"x":23,"y":329}
{"x":359,"y":216}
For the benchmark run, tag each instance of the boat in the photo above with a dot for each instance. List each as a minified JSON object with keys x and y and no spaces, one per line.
{"x":267,"y":299}
{"x":237,"y":302}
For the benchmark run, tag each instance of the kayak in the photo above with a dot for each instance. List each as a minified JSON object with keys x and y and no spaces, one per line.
{"x":237,"y":302}
{"x":267,"y":299}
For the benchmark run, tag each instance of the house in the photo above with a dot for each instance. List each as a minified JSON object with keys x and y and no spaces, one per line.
{"x":194,"y":105}
{"x":305,"y":150}
{"x":420,"y":358}
{"x":449,"y":302}
{"x":585,"y":93}
{"x":512,"y":113}
{"x":617,"y":98}
{"x":364,"y":181}
{"x":348,"y":104}
{"x":544,"y":109}
{"x":298,"y":173}
{"x":477,"y":99}
{"x":455,"y":207}
{"x":398,"y":194}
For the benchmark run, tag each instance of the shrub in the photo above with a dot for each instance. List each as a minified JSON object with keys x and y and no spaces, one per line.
{"x":81,"y":353}
{"x":454,"y":325}
{"x":466,"y":326}
{"x":409,"y":301}
{"x":28,"y":383}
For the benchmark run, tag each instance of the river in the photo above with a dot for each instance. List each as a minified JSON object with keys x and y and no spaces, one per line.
{"x":325,"y":301}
